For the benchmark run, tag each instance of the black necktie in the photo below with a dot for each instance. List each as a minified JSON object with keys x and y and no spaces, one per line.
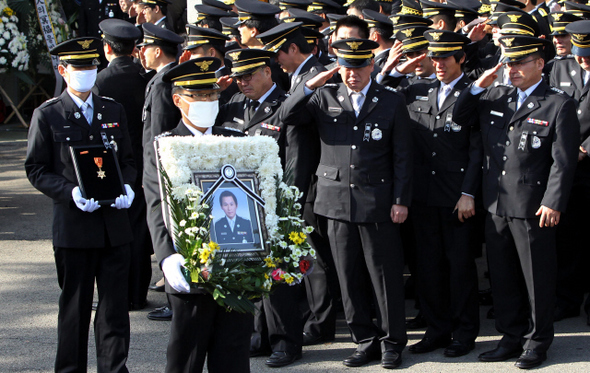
{"x":252,"y":108}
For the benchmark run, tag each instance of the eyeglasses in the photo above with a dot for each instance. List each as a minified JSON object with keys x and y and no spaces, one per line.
{"x":202,"y":96}
{"x":518,"y":64}
{"x":247,"y":77}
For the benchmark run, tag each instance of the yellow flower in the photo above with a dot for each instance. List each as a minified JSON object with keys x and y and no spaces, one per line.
{"x":266,"y":276}
{"x":213,"y":246}
{"x":9,"y":12}
{"x":297,"y":237}
{"x":204,"y":255}
{"x":269,"y":262}
{"x":289,"y":280}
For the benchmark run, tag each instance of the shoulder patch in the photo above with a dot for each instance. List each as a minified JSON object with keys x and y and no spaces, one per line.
{"x":108,"y":98}
{"x":330,"y":85}
{"x":389,"y":88}
{"x":542,"y":12}
{"x":163,"y":134}
{"x":557,"y":90}
{"x":232,"y":129}
{"x":503,"y":85}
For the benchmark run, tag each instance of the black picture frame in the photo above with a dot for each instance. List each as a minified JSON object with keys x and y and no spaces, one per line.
{"x":238,"y":243}
{"x":104,"y":183}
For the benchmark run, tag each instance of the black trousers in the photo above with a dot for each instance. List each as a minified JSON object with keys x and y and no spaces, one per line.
{"x":140,"y":270}
{"x":446,"y":274}
{"x":201,"y":328}
{"x":321,"y":285}
{"x":523,"y":265}
{"x":77,"y":270}
{"x":373,"y":248}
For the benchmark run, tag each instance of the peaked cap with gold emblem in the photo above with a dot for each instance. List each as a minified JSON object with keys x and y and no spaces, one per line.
{"x":298,"y":4}
{"x":445,"y":43}
{"x":559,"y":20}
{"x":501,"y":7}
{"x":354,"y":53}
{"x":411,"y":7}
{"x":518,"y":23}
{"x":255,"y":10}
{"x":196,"y":74}
{"x":324,"y":7}
{"x":156,"y":35}
{"x":412,"y":38}
{"x":403,"y":21}
{"x":519,"y":47}
{"x":580,"y":10}
{"x":580,"y":32}
{"x":281,"y":36}
{"x":155,"y":2}
{"x":247,"y":61}
{"x":79,"y":51}
{"x":432,"y":8}
{"x":197,"y":36}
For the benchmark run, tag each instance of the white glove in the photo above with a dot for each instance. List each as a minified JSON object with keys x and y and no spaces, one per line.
{"x":124,"y":201}
{"x":171,"y":268}
{"x":86,"y":205}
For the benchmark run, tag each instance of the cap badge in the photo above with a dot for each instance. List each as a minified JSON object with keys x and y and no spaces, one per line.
{"x":556,"y":16}
{"x":204,"y":65}
{"x":85,"y":43}
{"x":513,"y":17}
{"x":408,"y":32}
{"x":354,"y":45}
{"x":580,"y":37}
{"x":234,"y":55}
{"x":435,"y":35}
{"x":508,"y":42}
{"x":395,"y":20}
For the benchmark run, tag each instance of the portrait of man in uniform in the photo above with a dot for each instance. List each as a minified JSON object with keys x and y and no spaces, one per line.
{"x":232,"y":228}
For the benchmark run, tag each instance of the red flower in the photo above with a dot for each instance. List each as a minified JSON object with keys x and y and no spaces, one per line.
{"x":304,"y":266}
{"x":277,"y":274}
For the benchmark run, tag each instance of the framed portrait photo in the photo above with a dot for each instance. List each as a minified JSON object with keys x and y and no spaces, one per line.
{"x":238,"y":218}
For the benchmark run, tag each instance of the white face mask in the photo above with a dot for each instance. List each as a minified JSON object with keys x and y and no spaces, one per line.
{"x":202,"y":114}
{"x":82,"y":80}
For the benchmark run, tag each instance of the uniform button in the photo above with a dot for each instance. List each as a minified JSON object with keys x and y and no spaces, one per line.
{"x":376,"y":125}
{"x":504,"y":158}
{"x":438,"y":117}
{"x":433,"y":154}
{"x":246,"y":132}
{"x":492,"y":122}
{"x":352,"y":185}
{"x":434,"y":172}
{"x":353,"y":147}
{"x":538,"y":183}
{"x":503,"y":172}
{"x":435,"y":135}
{"x":67,"y":139}
{"x":534,"y":132}
{"x":462,"y":170}
{"x":325,"y":174}
{"x":507,"y":143}
{"x":511,"y":128}
{"x":579,"y":111}
{"x":352,"y":166}
{"x":382,"y":180}
{"x":355,"y":128}
{"x":91,"y":137}
{"x":335,"y":120}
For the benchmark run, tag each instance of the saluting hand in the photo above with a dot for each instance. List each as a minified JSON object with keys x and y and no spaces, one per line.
{"x":477,"y":32}
{"x":395,"y":54}
{"x":488,"y":77}
{"x":224,"y":81}
{"x":321,"y":79}
{"x":410,"y":65}
{"x":549,"y":217}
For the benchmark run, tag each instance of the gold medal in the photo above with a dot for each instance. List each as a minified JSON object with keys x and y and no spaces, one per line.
{"x":100,"y":172}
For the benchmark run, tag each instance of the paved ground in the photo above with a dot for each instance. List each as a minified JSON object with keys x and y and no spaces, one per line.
{"x":29,"y":294}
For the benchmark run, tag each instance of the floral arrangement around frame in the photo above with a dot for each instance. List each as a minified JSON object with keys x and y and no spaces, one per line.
{"x":233,"y":283}
{"x":13,"y":43}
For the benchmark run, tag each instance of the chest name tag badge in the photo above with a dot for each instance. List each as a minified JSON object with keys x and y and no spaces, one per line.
{"x":565,"y":84}
{"x":497,"y":113}
{"x":522,"y":142}
{"x":238,"y":120}
{"x":422,"y":98}
{"x":333,"y":109}
{"x":367,"y":134}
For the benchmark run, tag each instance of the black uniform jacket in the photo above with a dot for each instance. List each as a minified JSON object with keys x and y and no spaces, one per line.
{"x":366,"y":161}
{"x":161,"y":238}
{"x":447,"y":156}
{"x":530,"y":153}
{"x":56,"y":125}
{"x":242,"y":232}
{"x":123,"y":81}
{"x":567,"y":75}
{"x":266,"y":120}
{"x":159,"y":112}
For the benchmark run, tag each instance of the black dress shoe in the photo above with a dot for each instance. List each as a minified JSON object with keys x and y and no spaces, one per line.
{"x":161,"y":314}
{"x":418,"y":322}
{"x":428,"y":345}
{"x":310,"y":339}
{"x":530,"y":359}
{"x":282,"y":358}
{"x":500,"y":354}
{"x":565,"y":313}
{"x":357,"y":359}
{"x":391,"y":359}
{"x":457,"y":348}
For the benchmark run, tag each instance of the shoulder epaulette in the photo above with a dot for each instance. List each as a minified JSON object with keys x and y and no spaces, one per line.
{"x":108,"y":98}
{"x":330,"y":85}
{"x":53,"y":99}
{"x":232,"y":129}
{"x":389,"y":88}
{"x":542,"y":12}
{"x":557,"y":90}
{"x":163,"y":134}
{"x":503,"y":85}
